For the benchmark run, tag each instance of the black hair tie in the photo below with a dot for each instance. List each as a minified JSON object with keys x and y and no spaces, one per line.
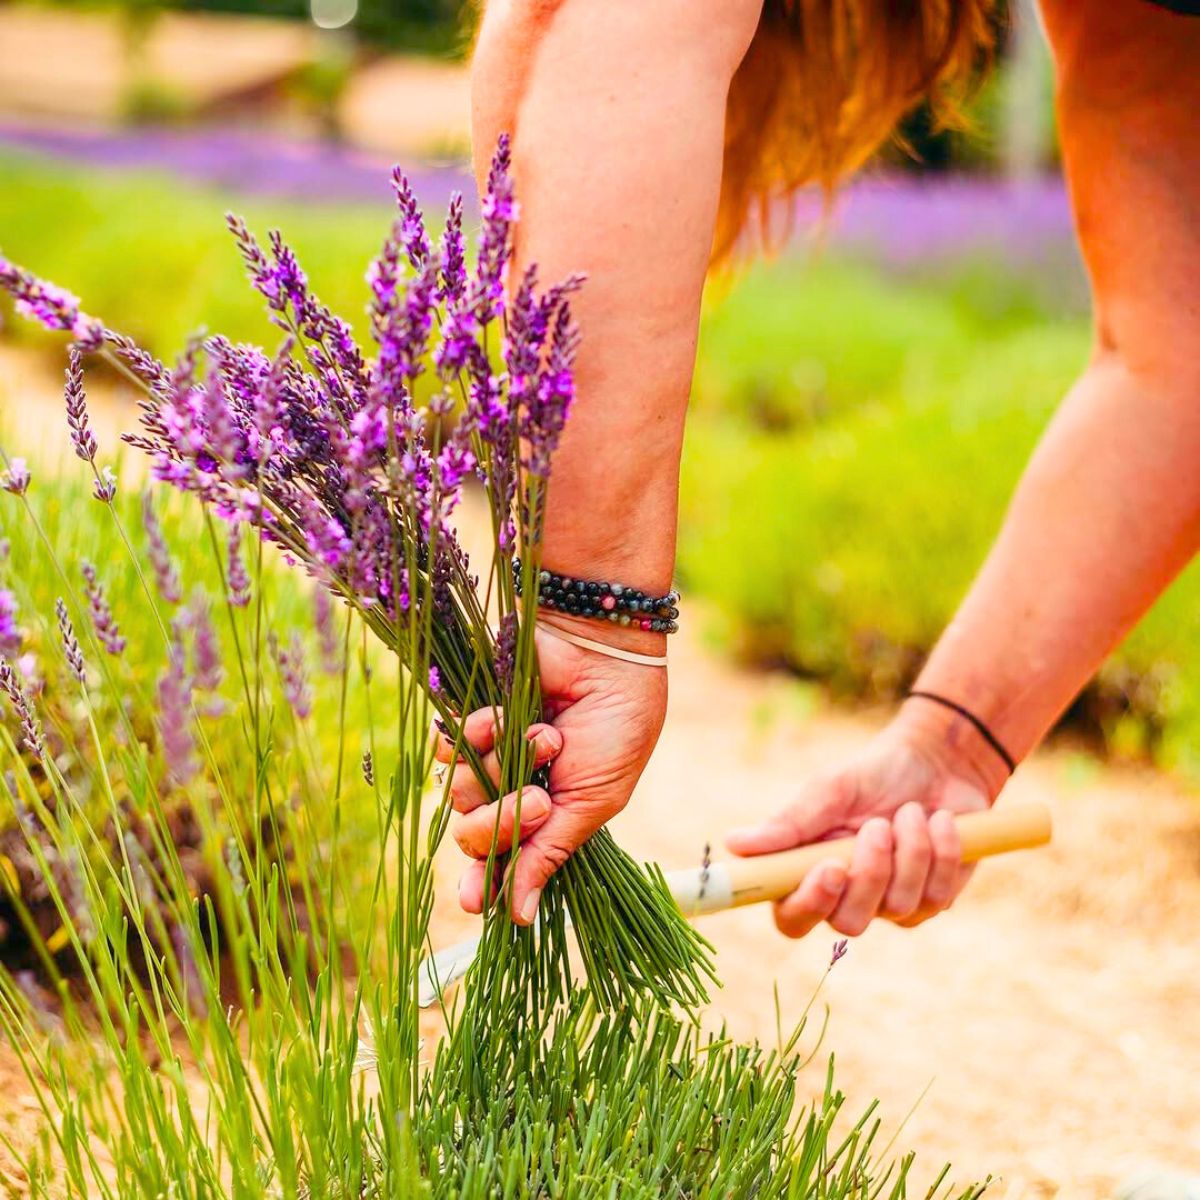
{"x":984,"y":732}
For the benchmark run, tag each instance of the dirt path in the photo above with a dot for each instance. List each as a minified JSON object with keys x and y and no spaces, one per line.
{"x":1054,"y":1013}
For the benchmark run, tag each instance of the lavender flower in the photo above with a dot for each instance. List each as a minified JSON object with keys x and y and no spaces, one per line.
{"x":207,"y":670}
{"x":82,"y":437}
{"x":174,"y":693}
{"x":166,"y":577}
{"x":70,"y":641}
{"x":16,"y":478}
{"x":506,"y":651}
{"x":839,"y":951}
{"x":10,"y":633}
{"x":327,"y":637}
{"x":51,"y":306}
{"x":368,"y":768}
{"x":294,"y":676}
{"x":104,"y":487}
{"x":31,"y":732}
{"x":236,"y":579}
{"x":102,"y":617}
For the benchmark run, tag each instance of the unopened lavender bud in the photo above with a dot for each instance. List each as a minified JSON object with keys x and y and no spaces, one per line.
{"x":166,"y":577}
{"x":102,"y":617}
{"x":70,"y":642}
{"x":82,"y":437}
{"x":104,"y":488}
{"x":368,"y":768}
{"x":16,"y":478}
{"x":236,"y":579}
{"x":31,"y":732}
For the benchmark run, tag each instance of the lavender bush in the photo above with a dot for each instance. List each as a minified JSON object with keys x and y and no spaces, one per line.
{"x":258,"y":1034}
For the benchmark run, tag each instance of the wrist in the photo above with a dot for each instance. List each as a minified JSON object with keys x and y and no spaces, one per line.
{"x":639,"y":641}
{"x":953,"y":743}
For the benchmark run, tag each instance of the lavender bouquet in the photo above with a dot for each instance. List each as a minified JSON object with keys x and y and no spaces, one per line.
{"x":326,"y":455}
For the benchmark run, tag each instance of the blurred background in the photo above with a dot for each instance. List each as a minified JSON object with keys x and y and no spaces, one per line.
{"x":870,"y":394}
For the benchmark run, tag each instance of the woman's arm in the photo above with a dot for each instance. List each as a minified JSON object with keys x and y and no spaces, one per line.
{"x":1108,"y":510}
{"x":616,"y":110}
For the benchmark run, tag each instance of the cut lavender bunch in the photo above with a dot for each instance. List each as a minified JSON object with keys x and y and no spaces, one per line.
{"x":327,"y":455}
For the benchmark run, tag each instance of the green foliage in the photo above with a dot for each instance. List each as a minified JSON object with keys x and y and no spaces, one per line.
{"x":875,"y":428}
{"x":153,"y":256}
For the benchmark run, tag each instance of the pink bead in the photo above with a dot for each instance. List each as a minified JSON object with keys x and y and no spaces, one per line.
{"x":608,"y":603}
{"x":646,"y":624}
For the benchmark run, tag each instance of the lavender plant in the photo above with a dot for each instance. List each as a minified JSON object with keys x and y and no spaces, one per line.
{"x":257,"y":1034}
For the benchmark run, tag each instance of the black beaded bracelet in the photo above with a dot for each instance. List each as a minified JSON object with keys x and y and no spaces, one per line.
{"x":604,"y":601}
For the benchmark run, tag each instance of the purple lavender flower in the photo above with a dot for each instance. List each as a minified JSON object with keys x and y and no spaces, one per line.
{"x":102,"y":617}
{"x":453,"y":253}
{"x":839,"y":951}
{"x":16,"y":478}
{"x":31,"y":732}
{"x":48,"y":305}
{"x":506,"y":651}
{"x":104,"y":486}
{"x":207,"y":669}
{"x":435,"y":681}
{"x":236,"y":578}
{"x":410,"y":225}
{"x":499,"y":211}
{"x":82,"y":437}
{"x":70,"y":641}
{"x":174,"y":695}
{"x":10,"y":633}
{"x":294,"y":676}
{"x":166,"y":577}
{"x":327,"y":636}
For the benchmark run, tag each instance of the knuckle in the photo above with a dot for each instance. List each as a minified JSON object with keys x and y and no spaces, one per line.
{"x":850,"y":924}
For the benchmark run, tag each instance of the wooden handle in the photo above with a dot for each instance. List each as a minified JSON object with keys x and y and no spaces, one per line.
{"x":997,"y":831}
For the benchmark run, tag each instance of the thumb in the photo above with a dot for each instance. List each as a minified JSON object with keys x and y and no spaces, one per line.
{"x":542,"y":853}
{"x":814,"y":816}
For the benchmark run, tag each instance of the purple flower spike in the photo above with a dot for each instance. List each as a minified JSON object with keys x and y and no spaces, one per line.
{"x":454,"y":254}
{"x":10,"y":633}
{"x":435,"y":681}
{"x":207,"y":669}
{"x":506,"y":651}
{"x":236,"y":578}
{"x":839,"y":951}
{"x":82,"y":437}
{"x":327,"y":635}
{"x":410,"y":226}
{"x":70,"y":642}
{"x":102,"y":618}
{"x":166,"y":577}
{"x":174,"y":694}
{"x":104,"y":486}
{"x":16,"y":478}
{"x":294,"y":677}
{"x":31,"y":732}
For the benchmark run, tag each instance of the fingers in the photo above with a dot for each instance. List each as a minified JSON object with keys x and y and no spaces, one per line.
{"x":868,"y":879}
{"x":478,"y":831}
{"x":467,"y":793}
{"x":543,"y":853}
{"x":911,"y":860}
{"x":813,"y":901}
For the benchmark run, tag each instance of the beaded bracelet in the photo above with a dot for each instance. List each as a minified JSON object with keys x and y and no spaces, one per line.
{"x":602,"y":601}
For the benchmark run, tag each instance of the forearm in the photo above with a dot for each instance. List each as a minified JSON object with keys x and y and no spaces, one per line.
{"x":617,"y":117}
{"x":1107,"y":513}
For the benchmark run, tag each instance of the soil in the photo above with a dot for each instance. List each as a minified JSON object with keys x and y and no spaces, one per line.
{"x":1052,"y":1015}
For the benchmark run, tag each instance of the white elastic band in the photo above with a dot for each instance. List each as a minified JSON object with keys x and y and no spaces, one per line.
{"x":645,"y":660}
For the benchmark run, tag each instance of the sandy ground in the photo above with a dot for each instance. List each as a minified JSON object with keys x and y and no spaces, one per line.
{"x":1054,"y":1015}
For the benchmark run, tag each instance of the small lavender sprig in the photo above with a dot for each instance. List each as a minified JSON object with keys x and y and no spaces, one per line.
{"x":102,"y":618}
{"x":17,"y":478}
{"x":70,"y":642}
{"x":327,"y":636}
{"x":174,"y":693}
{"x":31,"y":732}
{"x":166,"y":576}
{"x":82,"y":437}
{"x":237,"y":581}
{"x":10,"y":631}
{"x":293,"y":675}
